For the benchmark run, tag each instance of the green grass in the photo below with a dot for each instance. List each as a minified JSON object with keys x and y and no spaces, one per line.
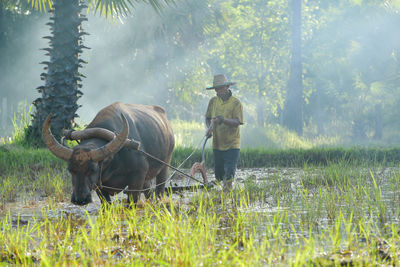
{"x":339,"y":206}
{"x":213,"y":228}
{"x":20,"y":122}
{"x":189,"y":134}
{"x":337,"y":214}
{"x":36,"y":166}
{"x":260,"y":157}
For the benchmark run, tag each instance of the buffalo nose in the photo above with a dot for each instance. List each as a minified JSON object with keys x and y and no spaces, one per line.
{"x":81,"y":201}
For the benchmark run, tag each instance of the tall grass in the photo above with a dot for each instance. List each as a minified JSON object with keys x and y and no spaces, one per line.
{"x":214,"y":228}
{"x":21,"y":120}
{"x":27,"y":172}
{"x":341,"y":207}
{"x":338,"y":214}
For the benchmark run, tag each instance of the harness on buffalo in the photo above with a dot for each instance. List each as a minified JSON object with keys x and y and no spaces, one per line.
{"x":196,"y":167}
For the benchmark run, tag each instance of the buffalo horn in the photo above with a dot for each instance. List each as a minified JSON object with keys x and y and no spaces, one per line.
{"x":90,"y":133}
{"x":98,"y":133}
{"x":113,"y":146}
{"x":52,"y":144}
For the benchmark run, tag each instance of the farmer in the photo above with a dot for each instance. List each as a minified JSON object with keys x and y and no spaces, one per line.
{"x":224,"y":115}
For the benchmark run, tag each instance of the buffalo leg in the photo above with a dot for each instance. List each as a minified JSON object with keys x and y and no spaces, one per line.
{"x":161,"y":179}
{"x":136,"y":186}
{"x":104,"y":197}
{"x":146,"y":187}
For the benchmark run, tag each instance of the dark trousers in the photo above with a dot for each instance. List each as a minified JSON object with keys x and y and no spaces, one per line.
{"x":225,"y":163}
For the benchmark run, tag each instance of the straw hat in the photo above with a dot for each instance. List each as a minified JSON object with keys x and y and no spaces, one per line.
{"x":219,"y":81}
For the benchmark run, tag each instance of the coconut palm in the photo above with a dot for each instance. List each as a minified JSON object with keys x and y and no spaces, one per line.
{"x":62,"y":80}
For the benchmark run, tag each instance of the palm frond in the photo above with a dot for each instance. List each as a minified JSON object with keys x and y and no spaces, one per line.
{"x":112,"y":8}
{"x":41,"y":5}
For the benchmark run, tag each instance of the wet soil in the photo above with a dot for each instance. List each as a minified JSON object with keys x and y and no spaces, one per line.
{"x":27,"y":209}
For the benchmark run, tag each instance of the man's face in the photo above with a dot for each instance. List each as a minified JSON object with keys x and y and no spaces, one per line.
{"x":221,"y":91}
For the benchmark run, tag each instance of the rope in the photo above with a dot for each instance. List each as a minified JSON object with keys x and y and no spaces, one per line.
{"x":168,"y":165}
{"x":172,"y":167}
{"x":191,"y":154}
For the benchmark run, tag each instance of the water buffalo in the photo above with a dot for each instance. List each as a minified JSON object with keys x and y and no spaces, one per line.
{"x":106,"y":163}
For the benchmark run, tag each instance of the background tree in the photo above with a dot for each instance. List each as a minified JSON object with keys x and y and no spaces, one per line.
{"x":60,"y":93}
{"x":351,"y":73}
{"x":349,"y":62}
{"x":251,"y":46}
{"x":293,"y":109}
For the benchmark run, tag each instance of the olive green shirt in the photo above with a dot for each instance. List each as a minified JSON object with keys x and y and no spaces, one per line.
{"x":224,"y":136}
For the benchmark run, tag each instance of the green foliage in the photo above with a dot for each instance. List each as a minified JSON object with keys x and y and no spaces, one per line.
{"x":253,"y":50}
{"x":344,"y":74}
{"x":349,"y":74}
{"x":350,"y":59}
{"x":41,"y":5}
{"x":119,"y":8}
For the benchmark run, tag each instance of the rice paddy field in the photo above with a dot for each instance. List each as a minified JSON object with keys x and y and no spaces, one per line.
{"x":335,"y":214}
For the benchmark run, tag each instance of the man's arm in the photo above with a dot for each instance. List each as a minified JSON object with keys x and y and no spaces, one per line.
{"x":208,"y":122}
{"x":209,"y":128}
{"x":231,"y":122}
{"x":220,"y":119}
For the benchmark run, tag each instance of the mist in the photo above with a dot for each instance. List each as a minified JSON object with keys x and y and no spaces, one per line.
{"x":130,"y":60}
{"x":350,"y":64}
{"x":19,"y":64}
{"x":118,"y":68}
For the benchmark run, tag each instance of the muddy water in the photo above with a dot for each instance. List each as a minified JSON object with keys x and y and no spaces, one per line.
{"x":287,"y":181}
{"x":28,"y":209}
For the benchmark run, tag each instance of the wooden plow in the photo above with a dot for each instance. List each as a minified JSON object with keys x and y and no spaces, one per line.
{"x":197,"y":167}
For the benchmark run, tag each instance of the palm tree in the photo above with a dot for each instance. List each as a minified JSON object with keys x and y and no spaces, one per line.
{"x":61,"y":91}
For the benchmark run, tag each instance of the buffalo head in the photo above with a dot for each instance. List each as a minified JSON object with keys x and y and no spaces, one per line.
{"x":83,"y":161}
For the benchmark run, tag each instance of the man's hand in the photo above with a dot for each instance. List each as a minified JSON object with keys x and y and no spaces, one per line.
{"x":219,"y":119}
{"x":209,"y":132}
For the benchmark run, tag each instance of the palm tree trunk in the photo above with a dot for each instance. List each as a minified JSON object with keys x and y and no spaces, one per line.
{"x":61,"y":92}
